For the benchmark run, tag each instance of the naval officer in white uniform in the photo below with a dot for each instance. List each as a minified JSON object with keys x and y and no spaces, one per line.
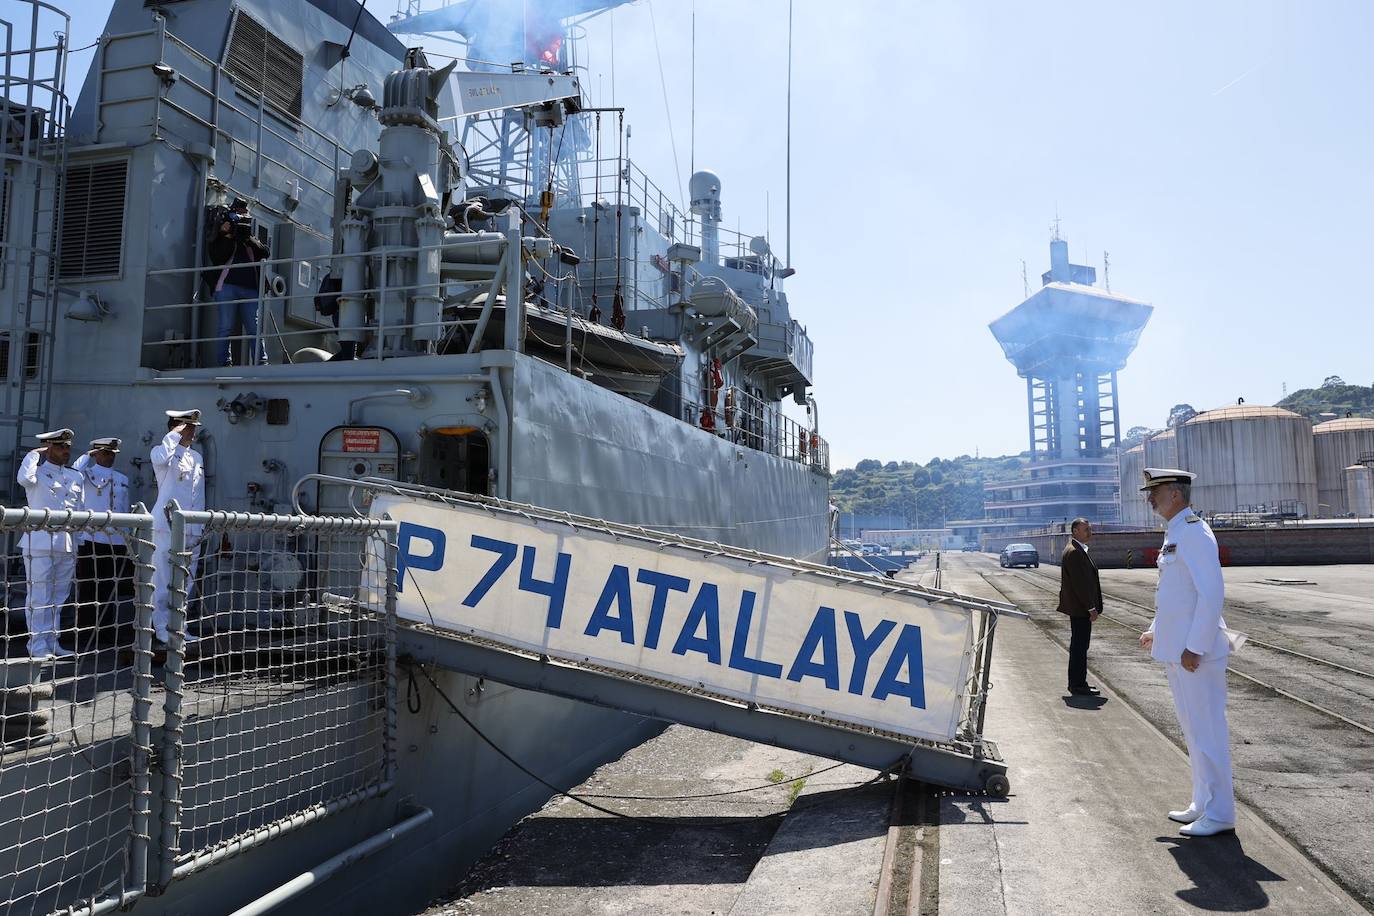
{"x":101,"y":555}
{"x":180,"y":473}
{"x":1189,"y":636}
{"x":49,"y":556}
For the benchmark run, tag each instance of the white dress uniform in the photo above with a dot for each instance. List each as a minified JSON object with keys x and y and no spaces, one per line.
{"x":1188,"y":607}
{"x":49,"y":556}
{"x":180,"y":473}
{"x":102,"y":567}
{"x":106,"y":490}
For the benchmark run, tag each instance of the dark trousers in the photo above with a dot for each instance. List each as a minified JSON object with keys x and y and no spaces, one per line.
{"x":1082,"y":628}
{"x":103,"y":576}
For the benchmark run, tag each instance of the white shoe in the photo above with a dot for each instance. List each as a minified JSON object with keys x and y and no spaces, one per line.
{"x":1205,"y":826}
{"x":1186,"y":816}
{"x":60,"y":652}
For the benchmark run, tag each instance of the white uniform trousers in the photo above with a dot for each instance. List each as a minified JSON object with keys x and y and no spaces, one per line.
{"x":162,"y":577}
{"x":49,"y":582}
{"x":1200,"y":701}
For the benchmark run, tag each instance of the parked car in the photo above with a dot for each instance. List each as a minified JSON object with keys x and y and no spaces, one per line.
{"x":969,"y":548}
{"x":872,"y":549}
{"x":1020,"y":555}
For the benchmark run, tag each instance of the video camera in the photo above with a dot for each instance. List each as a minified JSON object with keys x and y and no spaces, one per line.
{"x":240,"y":224}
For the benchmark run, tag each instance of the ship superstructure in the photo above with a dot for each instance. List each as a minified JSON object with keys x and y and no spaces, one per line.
{"x":571,"y":339}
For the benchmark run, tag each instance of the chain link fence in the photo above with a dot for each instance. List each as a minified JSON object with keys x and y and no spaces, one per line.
{"x":280,"y":704}
{"x":76,"y":710}
{"x":127,"y":762}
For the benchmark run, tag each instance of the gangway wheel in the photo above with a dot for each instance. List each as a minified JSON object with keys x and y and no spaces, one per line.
{"x":997,"y":785}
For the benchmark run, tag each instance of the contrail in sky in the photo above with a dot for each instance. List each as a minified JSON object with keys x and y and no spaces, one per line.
{"x":1238,"y":79}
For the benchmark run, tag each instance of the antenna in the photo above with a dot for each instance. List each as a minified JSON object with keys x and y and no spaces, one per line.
{"x":1106,"y":271}
{"x":1025,"y":281}
{"x":692,"y":155}
{"x":1055,"y":225}
{"x":789,"y":133}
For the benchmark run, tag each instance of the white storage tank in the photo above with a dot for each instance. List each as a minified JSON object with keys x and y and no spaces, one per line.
{"x":1339,"y":444}
{"x":1250,"y":458}
{"x":1161,"y":450}
{"x":1134,"y":511}
{"x":1359,"y":490}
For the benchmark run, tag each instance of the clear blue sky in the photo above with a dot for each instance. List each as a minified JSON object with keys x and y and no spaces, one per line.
{"x":1222,"y":152}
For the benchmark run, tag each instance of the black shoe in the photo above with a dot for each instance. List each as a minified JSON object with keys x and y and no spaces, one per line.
{"x":1085,"y":691}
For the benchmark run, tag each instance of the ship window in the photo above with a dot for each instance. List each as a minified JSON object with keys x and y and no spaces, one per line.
{"x":4,"y":355}
{"x":93,"y":220}
{"x":261,"y":63}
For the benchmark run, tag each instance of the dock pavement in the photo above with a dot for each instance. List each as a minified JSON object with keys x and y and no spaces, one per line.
{"x":1084,"y":829}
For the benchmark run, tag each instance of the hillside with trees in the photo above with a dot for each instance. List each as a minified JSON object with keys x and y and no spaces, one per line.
{"x":925,"y":496}
{"x":1333,"y":397}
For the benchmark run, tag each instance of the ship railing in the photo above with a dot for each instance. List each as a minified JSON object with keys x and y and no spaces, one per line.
{"x":34,"y":106}
{"x":597,"y":180}
{"x":196,"y":94}
{"x":283,"y":297}
{"x":76,"y":760}
{"x":270,"y":706}
{"x":739,"y":417}
{"x":287,"y":315}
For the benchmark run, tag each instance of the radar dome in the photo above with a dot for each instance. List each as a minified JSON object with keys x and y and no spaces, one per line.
{"x":704,"y":189}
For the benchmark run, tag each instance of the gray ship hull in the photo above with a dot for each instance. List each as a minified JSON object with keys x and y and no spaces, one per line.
{"x":571,"y":445}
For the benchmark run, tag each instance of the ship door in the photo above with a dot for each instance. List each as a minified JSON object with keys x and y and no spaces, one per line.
{"x":354,"y":452}
{"x":456,"y":458}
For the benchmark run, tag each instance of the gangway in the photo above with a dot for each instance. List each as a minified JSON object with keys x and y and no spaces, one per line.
{"x":853,"y":667}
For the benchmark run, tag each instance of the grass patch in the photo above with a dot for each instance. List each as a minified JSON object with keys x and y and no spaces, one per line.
{"x":795,"y":790}
{"x":777,"y":776}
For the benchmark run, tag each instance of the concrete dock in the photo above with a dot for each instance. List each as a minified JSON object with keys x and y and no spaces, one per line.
{"x":1083,"y":831}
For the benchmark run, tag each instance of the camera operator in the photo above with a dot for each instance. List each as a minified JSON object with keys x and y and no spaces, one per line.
{"x":235,"y":285}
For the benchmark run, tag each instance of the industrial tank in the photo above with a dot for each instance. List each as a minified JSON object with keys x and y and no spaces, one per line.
{"x":1134,"y":511}
{"x":1359,"y":490}
{"x":1161,"y":450}
{"x":1250,"y":458}
{"x":1338,"y":444}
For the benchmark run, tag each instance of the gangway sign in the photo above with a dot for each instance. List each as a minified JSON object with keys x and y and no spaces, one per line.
{"x":762,"y":630}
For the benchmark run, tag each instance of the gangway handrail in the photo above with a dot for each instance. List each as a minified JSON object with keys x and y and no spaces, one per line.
{"x":655,"y":537}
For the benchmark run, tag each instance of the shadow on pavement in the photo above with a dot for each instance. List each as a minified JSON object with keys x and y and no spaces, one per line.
{"x":1079,"y":701}
{"x":961,"y":807}
{"x":1224,"y":878}
{"x":654,"y":849}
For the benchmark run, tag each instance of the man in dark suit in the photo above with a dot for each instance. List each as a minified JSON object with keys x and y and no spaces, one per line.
{"x":1080,"y":596}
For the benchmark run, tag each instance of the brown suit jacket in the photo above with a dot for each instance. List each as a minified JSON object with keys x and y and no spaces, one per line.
{"x":1080,"y":589}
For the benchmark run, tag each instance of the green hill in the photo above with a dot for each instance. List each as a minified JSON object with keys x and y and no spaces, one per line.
{"x":924,"y":495}
{"x":1334,"y":396}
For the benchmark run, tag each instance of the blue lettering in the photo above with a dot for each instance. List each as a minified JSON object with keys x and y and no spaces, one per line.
{"x":705,"y":609}
{"x":405,"y":559}
{"x":662,"y":583}
{"x":739,"y":658}
{"x":505,"y":555}
{"x":617,"y":592}
{"x":864,"y":647}
{"x":908,"y":651}
{"x":822,"y":633}
{"x":556,"y":590}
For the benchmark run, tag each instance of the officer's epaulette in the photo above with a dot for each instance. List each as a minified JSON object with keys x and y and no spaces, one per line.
{"x":1194,"y":518}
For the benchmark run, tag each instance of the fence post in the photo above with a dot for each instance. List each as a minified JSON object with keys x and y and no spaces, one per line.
{"x":173,"y":680}
{"x":389,"y":738}
{"x":142,"y":750}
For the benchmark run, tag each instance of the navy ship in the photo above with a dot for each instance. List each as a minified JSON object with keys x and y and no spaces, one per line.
{"x":466,"y":284}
